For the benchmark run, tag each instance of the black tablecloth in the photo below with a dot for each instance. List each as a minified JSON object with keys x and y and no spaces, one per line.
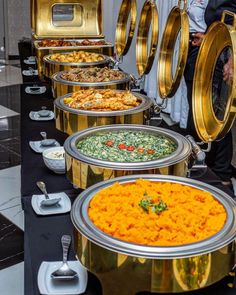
{"x":43,"y":233}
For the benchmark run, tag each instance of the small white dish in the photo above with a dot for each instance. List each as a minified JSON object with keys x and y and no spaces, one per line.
{"x":30,"y":62}
{"x":36,"y":117}
{"x":39,"y":148}
{"x":63,"y":206}
{"x":54,"y":159}
{"x":35,"y":89}
{"x":30,"y":73}
{"x":49,"y":286}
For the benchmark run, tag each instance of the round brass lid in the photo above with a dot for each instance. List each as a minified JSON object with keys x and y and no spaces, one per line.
{"x":177,"y":24}
{"x":145,"y":56}
{"x":124,"y":36}
{"x":214,"y":94}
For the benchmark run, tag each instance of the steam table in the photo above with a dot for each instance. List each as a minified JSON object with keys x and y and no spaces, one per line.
{"x":43,"y":234}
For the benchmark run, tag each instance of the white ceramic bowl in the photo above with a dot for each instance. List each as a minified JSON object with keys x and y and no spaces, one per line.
{"x":50,"y":159}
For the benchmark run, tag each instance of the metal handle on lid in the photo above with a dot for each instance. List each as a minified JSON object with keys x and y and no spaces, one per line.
{"x":185,"y":3}
{"x":65,"y":241}
{"x":229,"y":13}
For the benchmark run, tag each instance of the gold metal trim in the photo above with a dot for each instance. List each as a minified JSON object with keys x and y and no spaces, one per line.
{"x":40,"y":52}
{"x":144,"y":60}
{"x":219,"y":37}
{"x":177,"y":21}
{"x":86,"y":23}
{"x":125,"y":36}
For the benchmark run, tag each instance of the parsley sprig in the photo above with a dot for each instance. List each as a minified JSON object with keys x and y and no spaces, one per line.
{"x":147,"y":204}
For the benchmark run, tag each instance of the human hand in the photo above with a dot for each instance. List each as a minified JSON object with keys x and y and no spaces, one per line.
{"x":197,"y":39}
{"x":228,"y":70}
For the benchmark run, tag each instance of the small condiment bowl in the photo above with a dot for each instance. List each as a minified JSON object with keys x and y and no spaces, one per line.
{"x":53,"y":163}
{"x":44,"y":113}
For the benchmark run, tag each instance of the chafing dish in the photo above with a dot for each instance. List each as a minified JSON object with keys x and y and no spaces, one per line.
{"x":177,"y":23}
{"x":51,"y":66}
{"x":62,"y":87}
{"x":67,"y":20}
{"x":106,"y":49}
{"x":135,"y":268}
{"x":145,"y":50}
{"x":214,"y":114}
{"x":71,"y":120}
{"x":84,"y":171}
{"x":125,"y":34}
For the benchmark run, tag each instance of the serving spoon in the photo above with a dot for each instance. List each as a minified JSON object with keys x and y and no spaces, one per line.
{"x":45,"y":141}
{"x":65,"y":272}
{"x":47,"y":202}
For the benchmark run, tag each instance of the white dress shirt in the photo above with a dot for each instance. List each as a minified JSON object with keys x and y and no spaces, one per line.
{"x":196,"y":11}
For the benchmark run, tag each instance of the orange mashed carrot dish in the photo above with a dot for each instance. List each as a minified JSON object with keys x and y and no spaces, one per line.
{"x":130,"y":212}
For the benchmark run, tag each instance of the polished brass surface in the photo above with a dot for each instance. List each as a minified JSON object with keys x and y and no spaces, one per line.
{"x":60,"y":88}
{"x":40,"y":52}
{"x":51,"y":67}
{"x":32,"y":20}
{"x":177,"y":22}
{"x":145,"y":57}
{"x":135,"y":268}
{"x":114,"y":269}
{"x":219,"y":37}
{"x":124,"y":35}
{"x":70,"y":120}
{"x":84,"y":175}
{"x":87,"y":19}
{"x":86,"y":171}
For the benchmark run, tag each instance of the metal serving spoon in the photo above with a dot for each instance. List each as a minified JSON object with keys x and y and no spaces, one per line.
{"x":65,"y":272}
{"x":45,"y":141}
{"x":47,"y":202}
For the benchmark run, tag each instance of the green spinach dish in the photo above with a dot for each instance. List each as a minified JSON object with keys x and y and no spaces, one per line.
{"x":126,"y":146}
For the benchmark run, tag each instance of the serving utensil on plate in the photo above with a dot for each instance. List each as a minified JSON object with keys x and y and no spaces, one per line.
{"x":45,"y":141}
{"x":44,"y":112}
{"x":47,"y":202}
{"x":65,"y":272}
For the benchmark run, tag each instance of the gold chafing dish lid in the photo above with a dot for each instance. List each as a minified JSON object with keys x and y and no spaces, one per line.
{"x":66,"y":19}
{"x":124,"y":36}
{"x":149,"y":16}
{"x":209,"y":123}
{"x":177,"y":22}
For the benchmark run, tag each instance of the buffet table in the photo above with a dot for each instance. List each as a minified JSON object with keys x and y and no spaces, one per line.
{"x":43,"y":233}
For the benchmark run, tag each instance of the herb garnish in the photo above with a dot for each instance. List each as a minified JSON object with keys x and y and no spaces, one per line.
{"x":147,"y":204}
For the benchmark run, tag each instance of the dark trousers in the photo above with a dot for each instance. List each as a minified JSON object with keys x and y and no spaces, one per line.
{"x":220,"y":157}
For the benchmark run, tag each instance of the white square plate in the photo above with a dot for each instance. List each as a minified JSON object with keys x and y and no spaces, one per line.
{"x":35,"y":89}
{"x":38,"y":148}
{"x":49,"y":286}
{"x":35,"y":116}
{"x":64,"y":205}
{"x":29,"y":62}
{"x":30,"y":73}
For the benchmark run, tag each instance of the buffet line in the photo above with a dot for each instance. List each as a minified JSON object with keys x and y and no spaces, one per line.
{"x":112,"y":150}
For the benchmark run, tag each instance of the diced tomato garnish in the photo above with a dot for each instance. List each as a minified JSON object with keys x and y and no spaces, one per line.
{"x":109,"y":143}
{"x":130,"y":148}
{"x":140,"y":151}
{"x":122,"y":146}
{"x":150,"y":152}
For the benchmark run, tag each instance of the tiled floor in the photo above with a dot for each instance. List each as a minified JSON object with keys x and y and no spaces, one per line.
{"x":11,"y":213}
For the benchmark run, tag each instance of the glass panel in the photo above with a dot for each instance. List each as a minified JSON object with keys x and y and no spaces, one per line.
{"x":175,"y":56}
{"x":67,"y":15}
{"x":222,"y":83}
{"x":62,"y":12}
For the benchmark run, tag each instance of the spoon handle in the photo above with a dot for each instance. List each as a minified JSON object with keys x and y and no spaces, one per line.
{"x":65,"y":241}
{"x":41,"y":185}
{"x":43,"y":134}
